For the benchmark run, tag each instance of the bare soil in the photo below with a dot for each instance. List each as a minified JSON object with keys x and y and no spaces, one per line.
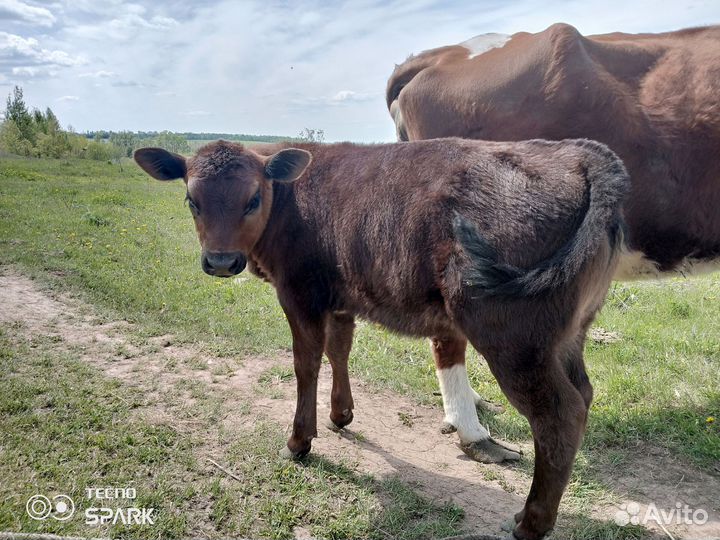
{"x":390,"y":436}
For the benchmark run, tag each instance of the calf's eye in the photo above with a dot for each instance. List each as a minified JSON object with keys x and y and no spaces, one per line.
{"x":253,"y":204}
{"x":193,"y":207}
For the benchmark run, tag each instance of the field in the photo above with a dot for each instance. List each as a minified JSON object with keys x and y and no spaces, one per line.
{"x":124,"y":365}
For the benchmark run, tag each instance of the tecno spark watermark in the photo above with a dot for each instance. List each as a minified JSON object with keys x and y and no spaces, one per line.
{"x":682,"y":514}
{"x":100,"y":511}
{"x":129,"y":515}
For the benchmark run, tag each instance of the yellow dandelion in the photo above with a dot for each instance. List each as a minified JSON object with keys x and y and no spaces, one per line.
{"x":710,"y":419}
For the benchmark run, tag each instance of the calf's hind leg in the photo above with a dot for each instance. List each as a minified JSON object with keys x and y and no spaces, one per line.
{"x":338,"y":342}
{"x":537,"y":383}
{"x":459,"y":403}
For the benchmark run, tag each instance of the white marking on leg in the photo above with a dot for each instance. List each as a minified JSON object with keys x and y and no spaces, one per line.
{"x":459,"y":403}
{"x":483,"y":43}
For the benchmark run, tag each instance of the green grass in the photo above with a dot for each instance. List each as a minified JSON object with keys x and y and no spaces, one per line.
{"x":67,"y":427}
{"x":126,"y":244}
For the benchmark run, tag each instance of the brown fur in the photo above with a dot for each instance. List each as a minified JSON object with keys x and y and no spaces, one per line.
{"x":448,"y":239}
{"x":652,"y":98}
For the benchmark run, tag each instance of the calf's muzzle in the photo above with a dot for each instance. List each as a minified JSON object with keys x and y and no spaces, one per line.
{"x":223,"y":264}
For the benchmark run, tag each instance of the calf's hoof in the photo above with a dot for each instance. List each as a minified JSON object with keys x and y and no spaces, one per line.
{"x":340,"y":421}
{"x":293,"y":451}
{"x":490,"y":451}
{"x":447,"y":428}
{"x":510,"y":525}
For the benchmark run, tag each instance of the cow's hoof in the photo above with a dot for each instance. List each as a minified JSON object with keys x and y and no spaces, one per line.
{"x":484,"y":405}
{"x":447,"y":428}
{"x":490,"y":451}
{"x":344,"y":419}
{"x":332,"y":426}
{"x":286,"y":453}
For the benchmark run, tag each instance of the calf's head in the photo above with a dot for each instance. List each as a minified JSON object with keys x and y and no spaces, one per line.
{"x":229,"y":193}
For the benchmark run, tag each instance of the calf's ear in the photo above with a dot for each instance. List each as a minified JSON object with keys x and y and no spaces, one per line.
{"x":160,"y":163}
{"x":287,"y":165}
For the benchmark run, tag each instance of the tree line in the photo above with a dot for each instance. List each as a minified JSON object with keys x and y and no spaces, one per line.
{"x":192,"y":136}
{"x":37,"y":133}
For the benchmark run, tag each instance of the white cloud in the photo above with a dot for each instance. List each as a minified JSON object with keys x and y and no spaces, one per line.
{"x":349,"y":95}
{"x":25,"y":72}
{"x":100,"y":74}
{"x":16,"y":10}
{"x":68,"y":98}
{"x":122,"y":22}
{"x":19,"y":51}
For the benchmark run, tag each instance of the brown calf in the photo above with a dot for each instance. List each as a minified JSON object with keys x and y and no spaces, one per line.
{"x":448,"y":239}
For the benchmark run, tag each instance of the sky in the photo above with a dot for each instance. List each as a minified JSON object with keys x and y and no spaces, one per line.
{"x":265,"y":67}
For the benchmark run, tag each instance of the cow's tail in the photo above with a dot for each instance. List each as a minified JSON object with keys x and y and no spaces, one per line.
{"x":607,"y":182}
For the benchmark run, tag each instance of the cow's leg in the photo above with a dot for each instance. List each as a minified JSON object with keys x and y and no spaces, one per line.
{"x":308,"y":342}
{"x":459,"y":403}
{"x":338,"y":342}
{"x":539,"y":386}
{"x":480,"y":404}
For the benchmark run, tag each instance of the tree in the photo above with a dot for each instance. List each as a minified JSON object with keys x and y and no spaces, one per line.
{"x":16,"y":110}
{"x":125,"y":141}
{"x":12,"y":141}
{"x":172,"y":142}
{"x":54,"y":144}
{"x":51,"y":120}
{"x":39,"y":122}
{"x":312,"y":135}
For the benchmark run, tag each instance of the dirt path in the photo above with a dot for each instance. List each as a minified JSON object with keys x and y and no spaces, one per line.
{"x":391,"y":435}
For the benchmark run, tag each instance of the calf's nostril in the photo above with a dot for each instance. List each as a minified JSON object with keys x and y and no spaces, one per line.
{"x":206,"y":266}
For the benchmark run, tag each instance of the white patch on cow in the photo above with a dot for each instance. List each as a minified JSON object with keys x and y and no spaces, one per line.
{"x":634,"y":265}
{"x":483,"y":43}
{"x":459,"y":403}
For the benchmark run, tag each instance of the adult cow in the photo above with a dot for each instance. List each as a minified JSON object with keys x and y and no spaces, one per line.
{"x":446,"y":239}
{"x":652,"y":98}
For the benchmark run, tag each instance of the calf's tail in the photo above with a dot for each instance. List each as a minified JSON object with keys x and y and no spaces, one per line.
{"x":607,"y":181}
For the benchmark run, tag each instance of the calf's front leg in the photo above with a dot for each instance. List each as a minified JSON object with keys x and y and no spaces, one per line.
{"x":308,"y":340}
